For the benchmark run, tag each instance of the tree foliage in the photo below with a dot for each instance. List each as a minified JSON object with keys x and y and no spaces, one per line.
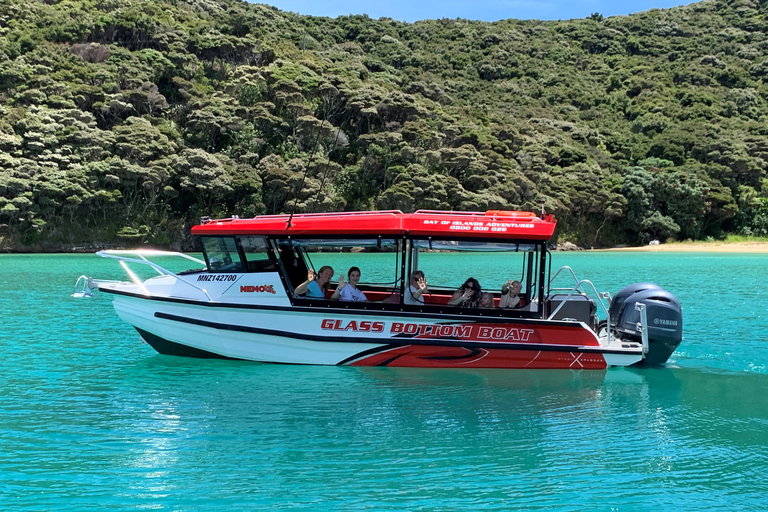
{"x":135,"y":117}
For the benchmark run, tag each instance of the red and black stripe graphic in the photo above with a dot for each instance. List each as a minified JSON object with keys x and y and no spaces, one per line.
{"x":430,"y":356}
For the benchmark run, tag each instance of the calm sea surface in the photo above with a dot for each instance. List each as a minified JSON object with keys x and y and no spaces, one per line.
{"x":92,"y":418}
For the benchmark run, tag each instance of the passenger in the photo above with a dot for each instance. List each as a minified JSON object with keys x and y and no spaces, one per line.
{"x":417,"y":287}
{"x":468,"y":294}
{"x":486,"y":300}
{"x":349,"y":290}
{"x":316,"y":284}
{"x":510,"y":297}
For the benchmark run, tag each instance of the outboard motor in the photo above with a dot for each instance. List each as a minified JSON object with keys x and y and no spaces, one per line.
{"x":617,"y":304}
{"x":663,"y":313}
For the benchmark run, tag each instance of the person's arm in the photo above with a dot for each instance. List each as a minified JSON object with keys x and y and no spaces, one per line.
{"x":302,"y":288}
{"x":458,"y":297}
{"x":421,"y":289}
{"x":341,"y":285}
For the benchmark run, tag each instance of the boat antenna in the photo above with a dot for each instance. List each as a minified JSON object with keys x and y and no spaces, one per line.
{"x":542,"y":200}
{"x":306,"y":171}
{"x":325,"y":171}
{"x":328,"y":111}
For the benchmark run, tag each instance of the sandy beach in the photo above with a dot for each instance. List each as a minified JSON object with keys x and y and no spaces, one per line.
{"x":738,"y":247}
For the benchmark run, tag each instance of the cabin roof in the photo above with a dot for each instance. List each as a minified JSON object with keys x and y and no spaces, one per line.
{"x":492,"y":224}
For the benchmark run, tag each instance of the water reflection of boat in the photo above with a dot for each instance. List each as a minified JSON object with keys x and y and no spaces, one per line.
{"x":242,"y":303}
{"x":495,"y":379}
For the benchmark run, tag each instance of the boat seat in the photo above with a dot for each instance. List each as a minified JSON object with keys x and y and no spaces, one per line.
{"x":577,"y":307}
{"x":381,"y":295}
{"x":392,"y":299}
{"x":385,"y":296}
{"x":434,"y":298}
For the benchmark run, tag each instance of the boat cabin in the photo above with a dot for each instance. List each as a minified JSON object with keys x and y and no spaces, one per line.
{"x":388,"y":246}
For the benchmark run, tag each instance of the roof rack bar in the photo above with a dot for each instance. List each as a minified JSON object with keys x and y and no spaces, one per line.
{"x":305,"y":215}
{"x":446,"y":212}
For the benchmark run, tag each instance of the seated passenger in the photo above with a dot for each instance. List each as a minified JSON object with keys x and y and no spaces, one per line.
{"x":316,"y":284}
{"x":510,"y":294}
{"x":468,"y":294}
{"x":416,"y":288}
{"x":349,"y":290}
{"x":486,"y":300}
{"x":225,"y":264}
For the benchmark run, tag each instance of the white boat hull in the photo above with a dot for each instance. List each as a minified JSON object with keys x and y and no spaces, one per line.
{"x":333,"y":337}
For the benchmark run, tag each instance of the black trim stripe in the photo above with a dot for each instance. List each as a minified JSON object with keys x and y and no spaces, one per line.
{"x":341,"y":311}
{"x":388,"y":342}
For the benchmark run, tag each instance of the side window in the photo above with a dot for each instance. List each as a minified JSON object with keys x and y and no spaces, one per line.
{"x":294,"y":265}
{"x":256,"y":253}
{"x":221,"y":254}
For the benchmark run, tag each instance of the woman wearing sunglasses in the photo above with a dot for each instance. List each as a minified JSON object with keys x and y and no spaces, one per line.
{"x":468,"y":295}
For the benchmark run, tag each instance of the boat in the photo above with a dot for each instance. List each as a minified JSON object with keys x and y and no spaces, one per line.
{"x":240,"y":300}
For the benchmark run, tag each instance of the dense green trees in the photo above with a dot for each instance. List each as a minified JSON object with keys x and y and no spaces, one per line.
{"x":124,"y":121}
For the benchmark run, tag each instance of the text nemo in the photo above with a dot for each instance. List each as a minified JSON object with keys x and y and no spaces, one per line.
{"x":352,"y":325}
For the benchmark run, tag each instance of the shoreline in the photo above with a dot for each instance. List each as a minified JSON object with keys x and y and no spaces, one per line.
{"x":718,"y":247}
{"x":736,"y":247}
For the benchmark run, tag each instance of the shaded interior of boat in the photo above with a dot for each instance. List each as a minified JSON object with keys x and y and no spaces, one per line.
{"x":293,"y":256}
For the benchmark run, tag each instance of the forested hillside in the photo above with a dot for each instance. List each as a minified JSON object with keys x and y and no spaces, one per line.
{"x":124,"y":121}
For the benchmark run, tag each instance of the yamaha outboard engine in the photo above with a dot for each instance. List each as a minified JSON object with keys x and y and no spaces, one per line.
{"x":617,"y":304}
{"x":663,"y":313}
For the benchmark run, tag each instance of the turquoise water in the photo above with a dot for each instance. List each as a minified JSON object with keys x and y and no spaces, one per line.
{"x":93,"y":418}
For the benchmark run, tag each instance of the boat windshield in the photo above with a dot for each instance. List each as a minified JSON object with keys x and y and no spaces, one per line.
{"x":221,"y":254}
{"x":232,"y":254}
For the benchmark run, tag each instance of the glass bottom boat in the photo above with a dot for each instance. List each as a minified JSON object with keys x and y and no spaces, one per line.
{"x":251,"y":297}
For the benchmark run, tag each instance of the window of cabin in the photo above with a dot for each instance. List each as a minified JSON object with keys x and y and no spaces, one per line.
{"x":257,"y":254}
{"x":378,"y":259}
{"x":447,"y":264}
{"x":293,"y":266}
{"x":221,"y":254}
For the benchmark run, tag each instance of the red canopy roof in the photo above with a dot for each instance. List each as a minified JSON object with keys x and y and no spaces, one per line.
{"x":493,"y":224}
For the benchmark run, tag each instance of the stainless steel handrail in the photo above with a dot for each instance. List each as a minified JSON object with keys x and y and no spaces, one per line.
{"x":115,"y":254}
{"x":577,"y":288}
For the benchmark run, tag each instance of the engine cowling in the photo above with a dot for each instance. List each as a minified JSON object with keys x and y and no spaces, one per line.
{"x":663,"y":313}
